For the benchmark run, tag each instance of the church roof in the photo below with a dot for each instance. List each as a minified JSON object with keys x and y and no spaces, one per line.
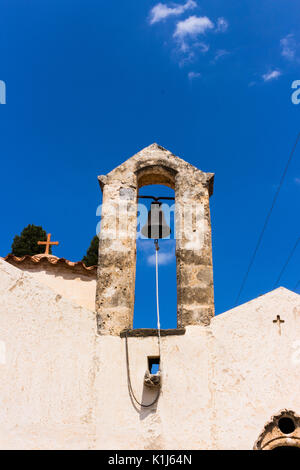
{"x":279,"y":300}
{"x":78,"y":266}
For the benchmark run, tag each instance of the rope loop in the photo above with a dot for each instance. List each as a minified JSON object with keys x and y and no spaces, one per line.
{"x":158,"y":336}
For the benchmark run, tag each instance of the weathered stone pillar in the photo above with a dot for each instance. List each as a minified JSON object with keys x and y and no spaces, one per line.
{"x":195,"y":292}
{"x":117,"y":255}
{"x":117,"y":248}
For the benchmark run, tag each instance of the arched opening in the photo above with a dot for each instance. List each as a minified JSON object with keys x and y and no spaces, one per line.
{"x":115,"y":292}
{"x":145,"y":313}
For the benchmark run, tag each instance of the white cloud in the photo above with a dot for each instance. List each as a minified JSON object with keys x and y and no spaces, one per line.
{"x":188,"y":31}
{"x":202,"y":46}
{"x":194,"y":75}
{"x":192,"y":26}
{"x":163,"y":259}
{"x":161,"y":11}
{"x":222,"y":25}
{"x":220,"y":53}
{"x":188,"y":50}
{"x":188,"y":58}
{"x":272,"y":75}
{"x":288,"y":47}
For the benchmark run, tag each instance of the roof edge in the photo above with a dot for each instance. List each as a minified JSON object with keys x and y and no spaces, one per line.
{"x":52,"y":260}
{"x":280,"y":289}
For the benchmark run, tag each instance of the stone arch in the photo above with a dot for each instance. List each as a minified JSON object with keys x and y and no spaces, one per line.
{"x":115,"y":291}
{"x":282,"y":431}
{"x":156,"y":174}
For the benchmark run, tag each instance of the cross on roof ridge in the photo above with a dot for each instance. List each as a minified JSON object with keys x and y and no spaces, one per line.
{"x":48,"y":243}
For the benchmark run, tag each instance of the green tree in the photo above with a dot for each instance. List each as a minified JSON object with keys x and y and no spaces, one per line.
{"x":91,"y":257}
{"x":26,"y":243}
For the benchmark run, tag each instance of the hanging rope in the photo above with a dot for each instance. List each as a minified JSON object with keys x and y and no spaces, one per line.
{"x":157,"y":297}
{"x":130,"y":389}
{"x":131,"y":392}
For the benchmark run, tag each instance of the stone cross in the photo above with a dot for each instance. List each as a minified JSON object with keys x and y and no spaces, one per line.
{"x":48,"y":243}
{"x":278,"y":321}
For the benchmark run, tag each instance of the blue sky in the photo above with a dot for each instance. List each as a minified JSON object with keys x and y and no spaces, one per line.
{"x":90,"y":83}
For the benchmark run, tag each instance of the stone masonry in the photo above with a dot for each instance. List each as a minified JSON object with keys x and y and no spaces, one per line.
{"x":117,"y":248}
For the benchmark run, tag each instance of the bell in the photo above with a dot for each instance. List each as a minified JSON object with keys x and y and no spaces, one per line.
{"x":156,"y":226}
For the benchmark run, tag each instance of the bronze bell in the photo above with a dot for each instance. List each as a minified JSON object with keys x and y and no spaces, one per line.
{"x":156,"y":226}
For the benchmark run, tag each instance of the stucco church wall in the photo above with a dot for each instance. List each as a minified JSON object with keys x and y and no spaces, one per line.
{"x":78,"y":288}
{"x":221,"y":384}
{"x":257,"y":369}
{"x":181,"y":418}
{"x":62,"y":386}
{"x":46,"y":366}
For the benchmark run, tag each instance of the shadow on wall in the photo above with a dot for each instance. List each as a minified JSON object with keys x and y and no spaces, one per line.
{"x":148,"y":396}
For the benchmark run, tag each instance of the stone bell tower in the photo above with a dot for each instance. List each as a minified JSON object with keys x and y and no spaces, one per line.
{"x":117,"y":248}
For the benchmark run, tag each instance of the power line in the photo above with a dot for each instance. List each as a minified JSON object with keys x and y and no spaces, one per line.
{"x":267,"y":220}
{"x":287,"y":262}
{"x":296,"y":286}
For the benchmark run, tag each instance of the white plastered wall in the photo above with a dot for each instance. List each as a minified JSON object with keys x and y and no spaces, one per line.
{"x":64,"y":387}
{"x":221,"y":384}
{"x":47,"y":366}
{"x":77,"y":287}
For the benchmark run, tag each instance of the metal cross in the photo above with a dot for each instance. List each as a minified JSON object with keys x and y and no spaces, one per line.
{"x":48,"y":243}
{"x":278,"y":321}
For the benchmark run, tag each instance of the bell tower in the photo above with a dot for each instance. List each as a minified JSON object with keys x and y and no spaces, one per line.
{"x":117,"y":245}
